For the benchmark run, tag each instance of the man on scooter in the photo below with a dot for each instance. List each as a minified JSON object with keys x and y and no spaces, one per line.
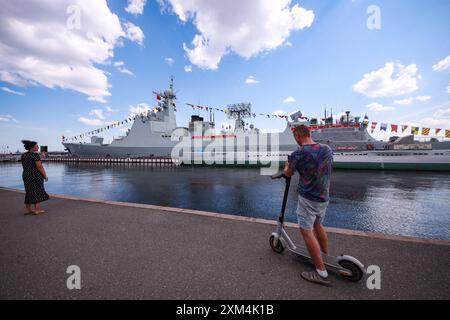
{"x":313,"y":161}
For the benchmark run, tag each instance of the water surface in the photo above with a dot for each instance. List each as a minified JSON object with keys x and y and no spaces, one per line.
{"x":396,"y":203}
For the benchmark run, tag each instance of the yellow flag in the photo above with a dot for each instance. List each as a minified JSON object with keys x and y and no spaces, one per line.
{"x":447,"y":133}
{"x":425,"y":131}
{"x":414,"y":130}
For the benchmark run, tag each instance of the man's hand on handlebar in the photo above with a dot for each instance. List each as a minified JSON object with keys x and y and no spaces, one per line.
{"x":288,"y":171}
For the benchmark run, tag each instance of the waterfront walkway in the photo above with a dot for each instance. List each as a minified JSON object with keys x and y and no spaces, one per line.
{"x":132,"y":251}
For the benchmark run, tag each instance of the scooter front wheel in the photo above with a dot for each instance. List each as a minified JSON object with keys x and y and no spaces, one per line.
{"x":357,"y":273}
{"x":278,"y":248}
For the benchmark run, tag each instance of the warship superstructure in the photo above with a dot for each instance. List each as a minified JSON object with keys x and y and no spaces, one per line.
{"x":155,"y":134}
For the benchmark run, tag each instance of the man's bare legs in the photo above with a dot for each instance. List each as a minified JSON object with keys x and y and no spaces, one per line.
{"x":322,"y":237}
{"x":316,"y":242}
{"x":314,"y":248}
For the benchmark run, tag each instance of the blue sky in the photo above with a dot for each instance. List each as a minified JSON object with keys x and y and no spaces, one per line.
{"x":319,"y":63}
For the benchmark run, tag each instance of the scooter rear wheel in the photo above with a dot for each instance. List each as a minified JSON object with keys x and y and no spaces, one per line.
{"x":357,"y":273}
{"x":278,"y":248}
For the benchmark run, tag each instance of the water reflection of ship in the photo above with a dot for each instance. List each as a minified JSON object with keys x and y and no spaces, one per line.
{"x":155,"y":133}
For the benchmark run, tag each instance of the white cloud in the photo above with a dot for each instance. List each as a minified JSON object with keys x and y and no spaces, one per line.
{"x":134,"y":33}
{"x":109,"y":109}
{"x":39,"y":46}
{"x":188,"y":68}
{"x":169,"y":61}
{"x":435,"y":123}
{"x":288,"y":44}
{"x":279,"y":112}
{"x":139,"y":108}
{"x":378,"y":107}
{"x":251,"y":80}
{"x":442,"y":113}
{"x":125,"y":71}
{"x":442,"y":65}
{"x":381,"y":83}
{"x":289,"y":99}
{"x":439,"y":119}
{"x":423,"y":98}
{"x":120,"y":65}
{"x":404,"y":101}
{"x":91,"y":122}
{"x":7,"y":118}
{"x":410,"y":100}
{"x":6,"y":89}
{"x":448,"y":89}
{"x":98,"y":113}
{"x":135,"y":6}
{"x":246,"y":28}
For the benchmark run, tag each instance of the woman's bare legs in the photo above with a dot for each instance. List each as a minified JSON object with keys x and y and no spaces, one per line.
{"x":38,"y":208}
{"x":28,"y":209}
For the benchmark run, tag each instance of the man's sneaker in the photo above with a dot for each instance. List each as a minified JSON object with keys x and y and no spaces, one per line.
{"x":315,"y":277}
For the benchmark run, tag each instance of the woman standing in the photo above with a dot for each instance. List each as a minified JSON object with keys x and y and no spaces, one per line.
{"x":33,"y":178}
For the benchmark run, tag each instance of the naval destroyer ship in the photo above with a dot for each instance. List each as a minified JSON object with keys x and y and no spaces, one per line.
{"x":156,"y":134}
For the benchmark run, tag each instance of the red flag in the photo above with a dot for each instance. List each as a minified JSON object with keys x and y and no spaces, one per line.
{"x":158,"y":97}
{"x":437,"y":131}
{"x":394,"y":128}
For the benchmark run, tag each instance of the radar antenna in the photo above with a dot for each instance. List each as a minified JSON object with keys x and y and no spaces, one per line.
{"x":239,"y":111}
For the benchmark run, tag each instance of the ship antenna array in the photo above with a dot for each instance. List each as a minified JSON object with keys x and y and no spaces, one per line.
{"x":239,"y":110}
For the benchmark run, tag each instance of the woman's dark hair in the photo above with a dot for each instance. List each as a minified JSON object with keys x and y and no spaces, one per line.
{"x":29,"y":144}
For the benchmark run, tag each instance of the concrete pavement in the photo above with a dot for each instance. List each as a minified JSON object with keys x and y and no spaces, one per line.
{"x":133,"y":251}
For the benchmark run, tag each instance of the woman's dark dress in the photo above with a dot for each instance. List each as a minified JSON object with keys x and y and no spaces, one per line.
{"x":33,"y":179}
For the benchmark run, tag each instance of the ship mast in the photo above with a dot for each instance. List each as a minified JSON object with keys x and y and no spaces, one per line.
{"x":167,"y":105}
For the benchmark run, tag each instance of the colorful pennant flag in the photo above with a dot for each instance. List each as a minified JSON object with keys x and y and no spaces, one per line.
{"x":404,"y":127}
{"x":383,"y":126}
{"x":437,"y":131}
{"x":425,"y":131}
{"x":447,"y":133}
{"x":394,"y":128}
{"x":374,"y":125}
{"x":414,"y":130}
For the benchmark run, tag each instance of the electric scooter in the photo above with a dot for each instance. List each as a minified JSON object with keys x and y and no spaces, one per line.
{"x":348,"y":267}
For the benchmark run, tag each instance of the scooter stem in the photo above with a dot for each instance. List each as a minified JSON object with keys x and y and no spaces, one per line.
{"x":286,"y":192}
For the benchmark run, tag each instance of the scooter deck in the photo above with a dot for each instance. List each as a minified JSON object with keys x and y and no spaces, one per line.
{"x":328,"y":260}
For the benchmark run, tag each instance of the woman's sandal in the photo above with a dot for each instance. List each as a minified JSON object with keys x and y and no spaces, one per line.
{"x":39,"y":212}
{"x":28,"y":213}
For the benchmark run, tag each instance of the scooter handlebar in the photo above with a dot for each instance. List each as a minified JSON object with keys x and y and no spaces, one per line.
{"x":279,"y":175}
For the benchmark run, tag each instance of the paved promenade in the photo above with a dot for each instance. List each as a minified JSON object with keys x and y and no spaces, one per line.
{"x":133,"y":251}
